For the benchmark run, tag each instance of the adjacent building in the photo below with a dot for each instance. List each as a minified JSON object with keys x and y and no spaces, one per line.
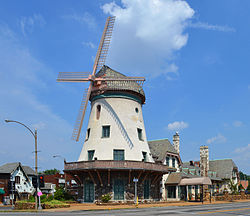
{"x":22,"y":175}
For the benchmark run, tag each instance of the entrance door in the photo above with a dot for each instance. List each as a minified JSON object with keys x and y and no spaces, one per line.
{"x":183,"y":193}
{"x":118,"y":189}
{"x":89,"y":191}
{"x":146,"y":189}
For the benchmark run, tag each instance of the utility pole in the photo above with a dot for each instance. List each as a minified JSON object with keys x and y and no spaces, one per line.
{"x":34,"y":134}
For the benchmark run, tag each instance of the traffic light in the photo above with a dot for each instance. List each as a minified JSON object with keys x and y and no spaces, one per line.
{"x":41,"y":181}
{"x":34,"y":182}
{"x":11,"y":186}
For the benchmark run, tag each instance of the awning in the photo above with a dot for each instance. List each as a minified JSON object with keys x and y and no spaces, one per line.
{"x":2,"y":191}
{"x":196,"y":181}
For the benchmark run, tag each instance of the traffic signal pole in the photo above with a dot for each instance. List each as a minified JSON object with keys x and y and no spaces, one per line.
{"x":35,"y":136}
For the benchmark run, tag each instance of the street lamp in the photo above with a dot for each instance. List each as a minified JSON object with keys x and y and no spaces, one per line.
{"x":59,"y":156}
{"x":34,"y":134}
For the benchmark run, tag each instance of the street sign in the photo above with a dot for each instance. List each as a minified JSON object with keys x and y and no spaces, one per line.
{"x":135,"y":180}
{"x":39,"y":193}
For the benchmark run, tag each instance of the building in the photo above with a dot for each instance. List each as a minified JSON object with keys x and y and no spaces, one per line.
{"x":58,"y":180}
{"x":22,"y":175}
{"x":168,"y":154}
{"x":115,"y":150}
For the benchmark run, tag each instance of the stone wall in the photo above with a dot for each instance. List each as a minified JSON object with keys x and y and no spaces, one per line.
{"x":229,"y":197}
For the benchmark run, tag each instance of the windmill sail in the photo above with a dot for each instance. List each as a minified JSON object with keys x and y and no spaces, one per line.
{"x":99,"y":62}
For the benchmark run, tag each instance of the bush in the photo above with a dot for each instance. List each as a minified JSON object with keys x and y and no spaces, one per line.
{"x":31,"y":199}
{"x":43,"y":198}
{"x":62,"y":195}
{"x":50,"y":197}
{"x":106,"y":197}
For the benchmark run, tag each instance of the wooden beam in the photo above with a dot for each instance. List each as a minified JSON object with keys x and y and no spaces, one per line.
{"x":139,"y":175}
{"x":99,"y":177}
{"x":109,"y":177}
{"x":157,"y":179}
{"x":91,"y":176}
{"x":154,"y":179}
{"x":144,"y":177}
{"x":129,"y":176}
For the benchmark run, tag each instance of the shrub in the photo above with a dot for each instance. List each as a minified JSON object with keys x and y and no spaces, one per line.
{"x":50,"y":197}
{"x":31,"y":199}
{"x":62,"y":195}
{"x":43,"y":198}
{"x":106,"y":197}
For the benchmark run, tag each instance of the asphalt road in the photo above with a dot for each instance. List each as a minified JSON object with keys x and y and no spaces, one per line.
{"x":232,"y":209}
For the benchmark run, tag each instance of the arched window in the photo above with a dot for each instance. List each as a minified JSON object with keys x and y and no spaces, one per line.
{"x":98,"y":111}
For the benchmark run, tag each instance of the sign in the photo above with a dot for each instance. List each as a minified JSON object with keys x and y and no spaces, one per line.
{"x":135,"y":180}
{"x":39,"y":193}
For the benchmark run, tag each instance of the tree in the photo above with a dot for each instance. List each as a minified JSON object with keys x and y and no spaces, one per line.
{"x":51,"y":171}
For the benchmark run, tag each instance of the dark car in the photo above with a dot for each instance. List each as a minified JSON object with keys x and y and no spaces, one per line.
{"x":247,"y":192}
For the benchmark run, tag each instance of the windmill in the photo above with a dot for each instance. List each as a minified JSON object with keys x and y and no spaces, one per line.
{"x":96,"y":83}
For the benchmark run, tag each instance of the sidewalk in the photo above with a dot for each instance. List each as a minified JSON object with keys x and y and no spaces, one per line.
{"x":91,"y":206}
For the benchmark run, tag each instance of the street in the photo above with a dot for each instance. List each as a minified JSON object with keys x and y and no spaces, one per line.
{"x":239,"y":209}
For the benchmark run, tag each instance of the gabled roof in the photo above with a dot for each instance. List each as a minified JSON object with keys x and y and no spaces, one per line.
{"x":159,"y":148}
{"x":10,"y":167}
{"x":223,"y":167}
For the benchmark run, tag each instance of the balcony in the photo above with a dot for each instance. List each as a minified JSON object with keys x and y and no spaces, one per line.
{"x":116,"y":165}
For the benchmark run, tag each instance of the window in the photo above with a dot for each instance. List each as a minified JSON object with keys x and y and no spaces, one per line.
{"x":171,"y":191}
{"x":139,"y":134}
{"x":98,"y":111}
{"x":91,"y":155}
{"x":136,"y":110}
{"x":167,"y":161}
{"x":17,"y":179}
{"x":173,"y":162}
{"x":144,"y":154}
{"x":105,"y":131}
{"x":118,"y":155}
{"x":88,"y":134}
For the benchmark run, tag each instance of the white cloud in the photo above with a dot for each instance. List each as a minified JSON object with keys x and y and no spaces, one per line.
{"x":177,"y":125}
{"x":243,"y":149}
{"x":237,"y":123}
{"x":27,"y":23}
{"x":207,"y":26}
{"x":217,"y":139}
{"x":89,"y":44}
{"x":84,"y":19}
{"x":147,"y":35}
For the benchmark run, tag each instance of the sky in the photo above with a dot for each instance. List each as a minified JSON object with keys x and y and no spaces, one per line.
{"x":194,"y":55}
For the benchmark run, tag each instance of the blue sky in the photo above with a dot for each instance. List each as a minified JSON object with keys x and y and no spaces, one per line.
{"x":194,"y":55}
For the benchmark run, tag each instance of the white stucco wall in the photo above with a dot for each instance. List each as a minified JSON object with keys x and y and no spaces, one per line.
{"x":25,"y":185}
{"x":124,"y":109}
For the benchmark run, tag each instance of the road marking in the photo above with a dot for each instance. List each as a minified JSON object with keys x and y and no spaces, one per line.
{"x":226,"y":210}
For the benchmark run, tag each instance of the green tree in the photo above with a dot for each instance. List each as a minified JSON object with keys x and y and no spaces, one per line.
{"x":51,"y":171}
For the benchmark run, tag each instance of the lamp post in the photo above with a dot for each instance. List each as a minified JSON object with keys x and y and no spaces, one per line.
{"x":34,"y":134}
{"x":59,"y":156}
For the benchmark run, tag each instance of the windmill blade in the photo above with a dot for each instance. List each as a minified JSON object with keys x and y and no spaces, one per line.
{"x":104,"y":45}
{"x":81,"y":114}
{"x":73,"y":77}
{"x":99,"y":62}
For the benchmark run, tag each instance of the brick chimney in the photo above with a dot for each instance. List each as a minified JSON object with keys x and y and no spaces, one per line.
{"x":176,"y":142}
{"x":204,"y":160}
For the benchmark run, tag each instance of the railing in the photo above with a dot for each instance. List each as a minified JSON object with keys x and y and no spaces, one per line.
{"x":117,"y":165}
